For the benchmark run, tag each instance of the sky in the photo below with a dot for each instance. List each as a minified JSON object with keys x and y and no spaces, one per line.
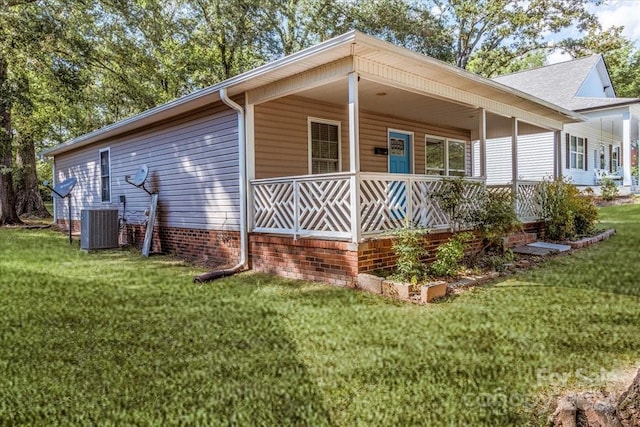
{"x":612,"y":13}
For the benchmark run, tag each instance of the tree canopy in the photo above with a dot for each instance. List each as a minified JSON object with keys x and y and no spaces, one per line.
{"x":71,"y":66}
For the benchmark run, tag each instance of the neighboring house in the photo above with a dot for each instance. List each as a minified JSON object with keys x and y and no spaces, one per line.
{"x":603,"y":143}
{"x":301,"y":166}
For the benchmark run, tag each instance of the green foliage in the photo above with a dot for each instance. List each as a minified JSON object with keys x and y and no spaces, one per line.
{"x":449,"y":255}
{"x":408,"y":246}
{"x":567,"y":212}
{"x":608,"y":189}
{"x":495,"y":217}
{"x":452,"y":199}
{"x":497,"y":261}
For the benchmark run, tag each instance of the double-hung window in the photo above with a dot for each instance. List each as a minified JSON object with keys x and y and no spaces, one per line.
{"x":577,"y":149}
{"x":324,"y":146}
{"x":105,"y":175}
{"x":444,"y":156}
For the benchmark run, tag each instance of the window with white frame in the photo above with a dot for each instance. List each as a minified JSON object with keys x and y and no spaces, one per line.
{"x":324,"y":146}
{"x":444,"y":156}
{"x":105,"y":175}
{"x":576,"y":152}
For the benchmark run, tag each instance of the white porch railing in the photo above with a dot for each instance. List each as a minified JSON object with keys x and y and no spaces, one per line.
{"x":309,"y":205}
{"x":320,"y":205}
{"x":528,"y":206}
{"x":388,"y":200}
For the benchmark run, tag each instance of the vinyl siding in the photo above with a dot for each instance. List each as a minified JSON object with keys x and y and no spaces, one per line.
{"x":281,"y":136}
{"x":595,"y":137}
{"x":535,"y":158}
{"x":193,"y":163}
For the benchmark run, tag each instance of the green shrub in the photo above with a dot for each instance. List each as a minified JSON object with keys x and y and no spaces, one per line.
{"x":567,"y":212}
{"x":452,"y":199}
{"x":495,"y":217}
{"x":408,"y":247}
{"x":608,"y":189}
{"x":449,"y":255}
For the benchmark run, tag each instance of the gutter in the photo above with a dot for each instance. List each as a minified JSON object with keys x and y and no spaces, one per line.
{"x":242,"y":160}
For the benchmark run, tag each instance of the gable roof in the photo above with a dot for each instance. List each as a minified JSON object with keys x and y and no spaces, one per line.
{"x":563,"y":83}
{"x":558,"y":83}
{"x":352,"y":43}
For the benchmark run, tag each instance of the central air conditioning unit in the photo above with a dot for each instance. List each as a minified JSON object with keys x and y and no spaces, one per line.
{"x":99,"y":229}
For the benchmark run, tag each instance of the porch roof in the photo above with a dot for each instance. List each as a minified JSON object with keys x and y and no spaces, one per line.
{"x":354,"y":44}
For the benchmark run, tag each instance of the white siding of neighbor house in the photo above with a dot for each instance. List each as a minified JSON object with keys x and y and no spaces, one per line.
{"x":595,"y":137}
{"x":193,"y":163}
{"x":535,"y":158}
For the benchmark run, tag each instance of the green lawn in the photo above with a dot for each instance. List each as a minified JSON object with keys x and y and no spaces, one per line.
{"x":111,"y":338}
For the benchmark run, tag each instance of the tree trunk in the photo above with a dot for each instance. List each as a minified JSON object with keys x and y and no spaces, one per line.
{"x":8,"y":214}
{"x":629,"y":404}
{"x":28,"y":200}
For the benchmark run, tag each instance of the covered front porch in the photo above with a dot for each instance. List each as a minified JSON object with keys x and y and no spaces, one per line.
{"x":352,"y":149}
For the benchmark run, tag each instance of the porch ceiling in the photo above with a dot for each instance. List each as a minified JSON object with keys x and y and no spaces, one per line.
{"x":393,"y":102}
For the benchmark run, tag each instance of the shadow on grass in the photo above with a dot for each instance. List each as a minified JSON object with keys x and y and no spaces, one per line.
{"x":206,"y":356}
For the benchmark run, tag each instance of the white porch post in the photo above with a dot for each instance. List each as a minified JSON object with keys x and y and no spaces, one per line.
{"x":557,"y":153}
{"x":354,"y":156}
{"x":251,"y":159}
{"x":626,"y":148}
{"x":482,"y":140}
{"x":514,"y":154}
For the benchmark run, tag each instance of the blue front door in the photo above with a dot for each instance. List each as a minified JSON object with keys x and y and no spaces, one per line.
{"x":399,"y":162}
{"x":399,"y":152}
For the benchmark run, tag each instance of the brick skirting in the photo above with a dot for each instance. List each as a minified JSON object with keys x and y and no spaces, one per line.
{"x":326,"y":261}
{"x":329,"y":261}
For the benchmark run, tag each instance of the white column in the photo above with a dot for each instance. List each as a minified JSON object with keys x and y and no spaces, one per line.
{"x":514,"y":152}
{"x":482,"y":141}
{"x":250,"y":158}
{"x":626,"y":148}
{"x":354,"y":156}
{"x":557,"y":154}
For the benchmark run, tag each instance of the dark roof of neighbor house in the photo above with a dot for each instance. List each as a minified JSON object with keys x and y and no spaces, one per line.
{"x":560,"y":83}
{"x":351,"y":43}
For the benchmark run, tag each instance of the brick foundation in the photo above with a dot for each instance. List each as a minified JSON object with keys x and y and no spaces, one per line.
{"x":377,"y":254}
{"x":205,"y":247}
{"x":329,"y":261}
{"x":310,"y":259}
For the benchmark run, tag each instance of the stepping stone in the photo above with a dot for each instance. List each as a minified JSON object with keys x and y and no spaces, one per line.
{"x":541,"y":248}
{"x":553,"y":246}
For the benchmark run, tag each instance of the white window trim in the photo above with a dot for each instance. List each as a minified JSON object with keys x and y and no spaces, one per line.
{"x":464,"y":159}
{"x":412,"y":151}
{"x":577,"y":153}
{"x":446,"y":153}
{"x":102,"y":150}
{"x":615,"y":162}
{"x":309,"y":147}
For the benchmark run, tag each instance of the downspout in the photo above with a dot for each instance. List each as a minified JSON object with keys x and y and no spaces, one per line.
{"x":242,"y":160}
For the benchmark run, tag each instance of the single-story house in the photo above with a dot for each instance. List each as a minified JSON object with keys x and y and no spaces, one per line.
{"x":599,"y":147}
{"x":303,"y":165}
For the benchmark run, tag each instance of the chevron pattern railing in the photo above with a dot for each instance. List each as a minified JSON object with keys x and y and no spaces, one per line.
{"x":388,"y":200}
{"x":528,"y":205}
{"x":316,"y":205}
{"x":320,"y":205}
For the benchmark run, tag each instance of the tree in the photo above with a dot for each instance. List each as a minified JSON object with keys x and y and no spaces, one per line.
{"x":407,"y":24}
{"x":489,"y":34}
{"x":622,"y":58}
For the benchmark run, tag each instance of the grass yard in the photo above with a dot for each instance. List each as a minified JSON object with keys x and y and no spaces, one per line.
{"x":111,"y":338}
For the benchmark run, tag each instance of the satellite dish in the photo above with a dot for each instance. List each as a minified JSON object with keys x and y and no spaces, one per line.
{"x":140,"y":176}
{"x":63,"y":188}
